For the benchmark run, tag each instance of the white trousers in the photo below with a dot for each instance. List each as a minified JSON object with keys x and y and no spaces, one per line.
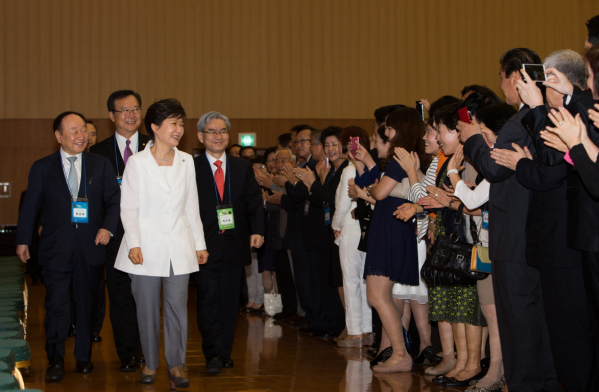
{"x":358,"y":313}
{"x":254,"y":281}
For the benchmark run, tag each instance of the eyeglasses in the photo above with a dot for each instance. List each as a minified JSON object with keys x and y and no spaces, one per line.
{"x":302,"y":141}
{"x":126,"y":111}
{"x":213,"y":132}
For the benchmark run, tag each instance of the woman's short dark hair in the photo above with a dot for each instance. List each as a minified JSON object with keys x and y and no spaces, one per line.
{"x":57,"y":124}
{"x":409,"y":130}
{"x":269,"y":150}
{"x":331,"y":131}
{"x":495,"y":116}
{"x":484,"y":90}
{"x":120,"y":94}
{"x":448,"y":115}
{"x":160,"y":111}
{"x":475,"y":102}
{"x":438,"y":104}
{"x":592,"y":59}
{"x":354,"y":131}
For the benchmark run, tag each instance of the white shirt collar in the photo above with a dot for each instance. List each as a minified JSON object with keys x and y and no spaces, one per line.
{"x":121,"y":141}
{"x":211,"y":160}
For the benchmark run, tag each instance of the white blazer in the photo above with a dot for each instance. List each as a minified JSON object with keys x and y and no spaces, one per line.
{"x":342,"y":219}
{"x":160,"y":215}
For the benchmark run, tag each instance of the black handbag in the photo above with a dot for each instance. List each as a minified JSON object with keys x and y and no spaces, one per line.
{"x":448,"y":261}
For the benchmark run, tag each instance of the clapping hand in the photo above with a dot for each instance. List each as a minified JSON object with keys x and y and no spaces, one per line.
{"x":571,"y":130}
{"x":455,"y":162}
{"x":439,"y":195}
{"x":264,"y":180}
{"x":594,"y":115}
{"x":509,"y":158}
{"x":408,"y":161}
{"x":289,"y":173}
{"x":405,"y":211}
{"x":279,"y":180}
{"x":275,"y":198}
{"x":306,"y":175}
{"x":322,"y":170}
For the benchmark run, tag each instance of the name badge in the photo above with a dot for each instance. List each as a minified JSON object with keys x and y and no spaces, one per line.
{"x":79,"y":211}
{"x":486,"y":220}
{"x":225,"y":217}
{"x":120,"y":180}
{"x":327,"y":215}
{"x":306,"y":208}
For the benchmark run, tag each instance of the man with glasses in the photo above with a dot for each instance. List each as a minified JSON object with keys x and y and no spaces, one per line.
{"x":124,"y":109}
{"x":233,"y":218}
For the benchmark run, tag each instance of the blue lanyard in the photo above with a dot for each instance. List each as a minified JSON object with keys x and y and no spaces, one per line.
{"x":213,"y":180}
{"x":84,"y":174}
{"x":116,"y":158}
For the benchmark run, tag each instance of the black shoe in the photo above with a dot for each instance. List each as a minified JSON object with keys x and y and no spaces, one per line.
{"x":84,"y":367}
{"x":278,"y":316}
{"x":453,"y":382}
{"x":383,"y":356}
{"x":71,"y":331}
{"x":177,"y":382}
{"x":485,"y":363}
{"x":306,"y":328}
{"x":427,"y":353}
{"x":142,"y":359}
{"x":227,"y":363}
{"x":441,"y":380}
{"x":322,"y":334}
{"x":129,"y":365}
{"x":55,"y":370}
{"x":260,"y":310}
{"x":96,"y":338}
{"x":215,"y":365}
{"x":372,"y":351}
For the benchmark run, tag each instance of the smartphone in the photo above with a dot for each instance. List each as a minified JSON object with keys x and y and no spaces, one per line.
{"x":354,"y":144}
{"x":536,"y":72}
{"x":464,"y":115}
{"x":420,"y":108}
{"x":326,"y":162}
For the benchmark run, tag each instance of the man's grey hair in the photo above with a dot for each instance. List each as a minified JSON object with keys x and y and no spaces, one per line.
{"x":570,"y":64}
{"x":316,"y":137}
{"x":293,"y":157}
{"x":206,"y":118}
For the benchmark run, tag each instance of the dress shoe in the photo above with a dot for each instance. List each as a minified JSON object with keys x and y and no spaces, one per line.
{"x":440,"y":380}
{"x":279,"y":316}
{"x":177,"y":382}
{"x":491,"y":388}
{"x":227,"y":363}
{"x":349,"y":342}
{"x":129,"y":365}
{"x":55,"y":370}
{"x":428,"y":356}
{"x":322,"y":334}
{"x":84,"y":367}
{"x":215,"y":365}
{"x":96,"y":338}
{"x":453,"y":382}
{"x":372,"y":351}
{"x":383,"y":356}
{"x":148,"y":378}
{"x":260,"y":310}
{"x":404,"y":366}
{"x":142,"y":359}
{"x":485,"y":363}
{"x":71,"y":332}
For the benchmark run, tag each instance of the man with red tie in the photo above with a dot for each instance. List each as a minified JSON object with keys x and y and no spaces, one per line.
{"x":232,"y":214}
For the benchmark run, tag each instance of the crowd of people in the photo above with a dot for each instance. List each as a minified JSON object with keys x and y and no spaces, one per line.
{"x":345,"y":225}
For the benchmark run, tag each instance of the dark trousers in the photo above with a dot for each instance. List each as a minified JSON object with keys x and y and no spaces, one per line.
{"x":57,"y":280}
{"x":217,"y":288}
{"x":101,"y":305}
{"x":527,"y":356}
{"x":326,"y":304}
{"x":573,"y":340}
{"x":285,"y":282}
{"x":123,"y":313}
{"x":590,"y":271}
{"x":301,"y":275}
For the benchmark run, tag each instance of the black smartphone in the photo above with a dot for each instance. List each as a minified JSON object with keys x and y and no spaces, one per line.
{"x":536,"y":72}
{"x":420,"y":108}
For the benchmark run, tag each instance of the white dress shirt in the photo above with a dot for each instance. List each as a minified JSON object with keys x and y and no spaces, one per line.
{"x":121,"y":141}
{"x":222,"y":158}
{"x":67,"y":165}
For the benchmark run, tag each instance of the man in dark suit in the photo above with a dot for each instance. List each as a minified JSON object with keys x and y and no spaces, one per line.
{"x":227,"y":188}
{"x":124,"y":109}
{"x":527,"y":356}
{"x":80,"y":198}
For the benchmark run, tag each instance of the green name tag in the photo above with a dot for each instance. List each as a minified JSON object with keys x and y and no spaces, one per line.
{"x":225,"y":217}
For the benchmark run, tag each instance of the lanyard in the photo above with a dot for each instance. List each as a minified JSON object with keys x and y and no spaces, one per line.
{"x":213,"y":180}
{"x":116,"y":158}
{"x":84,"y":174}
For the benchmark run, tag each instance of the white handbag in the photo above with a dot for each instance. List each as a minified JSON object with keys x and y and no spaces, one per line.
{"x":272,"y":304}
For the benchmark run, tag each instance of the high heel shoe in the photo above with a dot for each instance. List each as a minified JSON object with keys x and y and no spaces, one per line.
{"x":148,"y":378}
{"x":427,"y":354}
{"x":349,"y":342}
{"x":177,"y":382}
{"x":382,"y":356}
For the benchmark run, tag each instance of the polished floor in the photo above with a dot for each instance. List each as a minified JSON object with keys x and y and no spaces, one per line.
{"x":268,"y":357}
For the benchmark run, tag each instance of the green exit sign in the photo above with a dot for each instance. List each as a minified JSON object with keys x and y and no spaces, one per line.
{"x":247,"y":139}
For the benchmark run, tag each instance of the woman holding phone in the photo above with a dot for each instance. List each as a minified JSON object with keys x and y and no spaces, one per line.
{"x":164,"y":238}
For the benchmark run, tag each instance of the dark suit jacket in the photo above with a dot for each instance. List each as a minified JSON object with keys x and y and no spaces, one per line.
{"x":248,"y":211}
{"x":583,"y":208}
{"x":106,"y":149}
{"x":508,"y":199}
{"x":48,"y":190}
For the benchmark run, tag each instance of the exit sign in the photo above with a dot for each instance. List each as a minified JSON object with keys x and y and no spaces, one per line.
{"x":247,"y":139}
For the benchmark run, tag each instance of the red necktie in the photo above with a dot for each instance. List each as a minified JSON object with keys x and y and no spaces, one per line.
{"x":219,"y":178}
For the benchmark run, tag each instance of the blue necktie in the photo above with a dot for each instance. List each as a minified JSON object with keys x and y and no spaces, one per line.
{"x":73,"y":183}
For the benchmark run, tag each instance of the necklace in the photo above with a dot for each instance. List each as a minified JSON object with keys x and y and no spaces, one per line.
{"x":160,"y":159}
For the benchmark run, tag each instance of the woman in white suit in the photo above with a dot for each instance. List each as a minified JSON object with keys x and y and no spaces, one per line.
{"x":164,"y":237}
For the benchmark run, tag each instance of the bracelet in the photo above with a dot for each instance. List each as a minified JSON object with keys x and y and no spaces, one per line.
{"x":451,"y":204}
{"x":452,"y":171}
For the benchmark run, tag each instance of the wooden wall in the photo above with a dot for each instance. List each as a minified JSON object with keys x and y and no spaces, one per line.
{"x":267,"y":64}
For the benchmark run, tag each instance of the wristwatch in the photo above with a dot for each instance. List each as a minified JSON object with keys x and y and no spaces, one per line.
{"x":451,"y":204}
